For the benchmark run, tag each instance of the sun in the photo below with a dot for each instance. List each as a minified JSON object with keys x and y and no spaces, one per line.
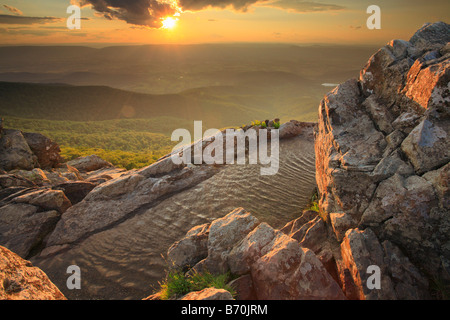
{"x":169,"y":23}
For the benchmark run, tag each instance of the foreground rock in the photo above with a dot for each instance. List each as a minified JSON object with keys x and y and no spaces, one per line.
{"x":19,"y":280}
{"x":278,"y":266}
{"x":382,"y":166}
{"x":209,"y":294}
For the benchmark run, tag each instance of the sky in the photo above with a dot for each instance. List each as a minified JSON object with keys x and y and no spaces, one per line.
{"x":214,"y":21}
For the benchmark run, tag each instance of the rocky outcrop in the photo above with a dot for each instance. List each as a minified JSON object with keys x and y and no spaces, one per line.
{"x":89,"y":163}
{"x":270,"y":262}
{"x":46,"y":150}
{"x":382,"y":167}
{"x":19,"y":280}
{"x":15,"y":153}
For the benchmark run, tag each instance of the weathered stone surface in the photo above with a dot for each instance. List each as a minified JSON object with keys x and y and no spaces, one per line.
{"x":279,"y":268}
{"x":364,"y":256}
{"x":244,"y":287}
{"x":293,"y":128}
{"x":224,"y":234}
{"x":19,"y":280}
{"x":46,"y":199}
{"x":13,"y":180}
{"x":382,"y":150}
{"x":22,"y":227}
{"x":191,"y":249}
{"x":115,"y":199}
{"x":209,"y":294}
{"x":15,"y":152}
{"x":46,"y":150}
{"x":75,"y":191}
{"x":89,"y":163}
{"x":428,"y":144}
{"x":340,"y":223}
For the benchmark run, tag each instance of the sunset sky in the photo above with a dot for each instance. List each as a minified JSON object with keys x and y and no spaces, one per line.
{"x":212,"y":21}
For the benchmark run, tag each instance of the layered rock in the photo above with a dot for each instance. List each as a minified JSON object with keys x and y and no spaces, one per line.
{"x":19,"y":280}
{"x":270,"y":262}
{"x":382,"y":165}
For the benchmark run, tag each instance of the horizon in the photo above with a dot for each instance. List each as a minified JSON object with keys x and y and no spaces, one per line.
{"x":182,"y":22}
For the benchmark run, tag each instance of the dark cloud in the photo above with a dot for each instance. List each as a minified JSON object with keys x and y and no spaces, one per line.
{"x":196,"y":5}
{"x":304,"y":6}
{"x":12,"y":19}
{"x":137,"y":12}
{"x":13,"y":10}
{"x":149,"y":13}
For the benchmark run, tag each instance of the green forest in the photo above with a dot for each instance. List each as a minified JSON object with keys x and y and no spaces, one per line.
{"x":126,"y":143}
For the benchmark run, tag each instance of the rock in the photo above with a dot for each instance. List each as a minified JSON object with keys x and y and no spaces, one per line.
{"x":75,"y":191}
{"x":89,"y":163}
{"x":46,"y":150}
{"x":428,"y":144}
{"x":341,"y":222}
{"x":278,"y":266}
{"x":13,"y":180}
{"x":22,"y":227}
{"x":37,"y":176}
{"x":105,"y":174}
{"x":244,"y":288}
{"x":191,"y":249}
{"x":224,"y":233}
{"x":430,"y":37}
{"x":15,"y":152}
{"x":398,"y":278}
{"x":122,"y":197}
{"x":382,"y":149}
{"x":289,"y":272}
{"x":293,"y":128}
{"x":46,"y":199}
{"x":209,"y":294}
{"x":19,"y":280}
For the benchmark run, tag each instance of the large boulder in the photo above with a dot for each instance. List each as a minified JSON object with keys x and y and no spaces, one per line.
{"x":46,"y":150}
{"x":19,"y":280}
{"x":362,"y":255}
{"x":382,"y":159}
{"x":23,"y":227}
{"x":274,"y":265}
{"x":15,"y":152}
{"x":89,"y":163}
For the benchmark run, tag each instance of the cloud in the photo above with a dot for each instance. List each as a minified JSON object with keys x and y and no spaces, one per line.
{"x":13,"y":10}
{"x":196,"y":5}
{"x":149,"y":13}
{"x":12,"y":19}
{"x":138,"y":12}
{"x":304,"y":6}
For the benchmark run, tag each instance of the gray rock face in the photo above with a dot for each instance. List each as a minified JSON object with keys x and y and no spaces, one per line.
{"x":118,"y":198}
{"x":382,"y":159}
{"x":362,"y":254}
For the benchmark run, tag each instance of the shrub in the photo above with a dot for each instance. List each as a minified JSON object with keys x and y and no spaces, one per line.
{"x":276,"y":125}
{"x":177,"y":284}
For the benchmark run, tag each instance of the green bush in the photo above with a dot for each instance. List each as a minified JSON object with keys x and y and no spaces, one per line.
{"x":177,"y":284}
{"x":276,"y":125}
